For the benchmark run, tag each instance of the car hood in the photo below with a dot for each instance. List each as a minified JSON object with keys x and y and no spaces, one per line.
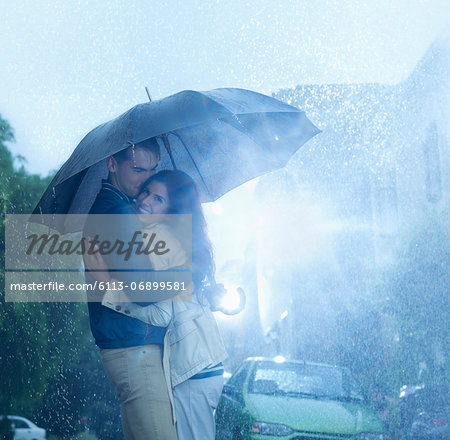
{"x":307,"y":414}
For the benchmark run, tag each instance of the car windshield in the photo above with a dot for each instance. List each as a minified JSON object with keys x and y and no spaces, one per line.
{"x":304,"y":380}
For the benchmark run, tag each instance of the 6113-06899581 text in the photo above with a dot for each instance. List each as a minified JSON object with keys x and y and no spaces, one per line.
{"x":110,"y":285}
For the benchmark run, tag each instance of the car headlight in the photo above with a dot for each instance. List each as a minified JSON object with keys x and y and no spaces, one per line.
{"x":270,"y":429}
{"x":369,"y":436}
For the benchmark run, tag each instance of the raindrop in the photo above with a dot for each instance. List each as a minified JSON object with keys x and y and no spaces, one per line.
{"x":133,"y":153}
{"x":54,"y":206}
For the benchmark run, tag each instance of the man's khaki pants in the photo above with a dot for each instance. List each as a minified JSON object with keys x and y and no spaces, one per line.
{"x":137,"y":373}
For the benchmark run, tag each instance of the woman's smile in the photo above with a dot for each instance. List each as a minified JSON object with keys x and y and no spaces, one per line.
{"x":153,"y":199}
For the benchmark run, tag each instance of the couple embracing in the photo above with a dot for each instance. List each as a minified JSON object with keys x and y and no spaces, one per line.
{"x":164,"y":357}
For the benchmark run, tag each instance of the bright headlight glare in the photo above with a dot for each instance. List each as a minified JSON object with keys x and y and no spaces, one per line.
{"x":231,"y":300}
{"x":369,"y":436}
{"x":270,"y":429}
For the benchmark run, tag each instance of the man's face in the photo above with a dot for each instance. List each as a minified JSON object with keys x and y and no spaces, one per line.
{"x":128,"y":176}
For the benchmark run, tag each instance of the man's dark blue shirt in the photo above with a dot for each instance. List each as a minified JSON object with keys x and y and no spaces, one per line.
{"x":109,"y":328}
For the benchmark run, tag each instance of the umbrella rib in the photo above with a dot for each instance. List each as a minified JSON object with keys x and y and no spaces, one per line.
{"x":169,"y":150}
{"x":193,"y":161}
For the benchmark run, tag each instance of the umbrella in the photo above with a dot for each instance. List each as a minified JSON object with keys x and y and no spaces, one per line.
{"x":222,"y":138}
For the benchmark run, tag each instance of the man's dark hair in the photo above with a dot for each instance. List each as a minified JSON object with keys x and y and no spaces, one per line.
{"x":150,"y":145}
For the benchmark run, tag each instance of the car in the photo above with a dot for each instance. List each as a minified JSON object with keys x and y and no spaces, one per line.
{"x":288,"y":399}
{"x":25,"y":429}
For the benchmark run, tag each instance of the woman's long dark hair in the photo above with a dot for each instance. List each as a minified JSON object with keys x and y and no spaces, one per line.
{"x":184,"y":199}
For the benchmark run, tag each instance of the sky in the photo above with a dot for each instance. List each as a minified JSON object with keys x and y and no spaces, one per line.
{"x":68,"y":66}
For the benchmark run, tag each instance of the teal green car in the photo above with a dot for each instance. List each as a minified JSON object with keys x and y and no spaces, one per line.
{"x":279,"y":399}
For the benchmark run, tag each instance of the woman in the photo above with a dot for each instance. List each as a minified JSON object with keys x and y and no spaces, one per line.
{"x":193,"y":348}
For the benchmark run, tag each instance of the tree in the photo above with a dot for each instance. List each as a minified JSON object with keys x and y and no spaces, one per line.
{"x":6,"y":428}
{"x":23,"y":330}
{"x":51,"y":371}
{"x":29,"y":332}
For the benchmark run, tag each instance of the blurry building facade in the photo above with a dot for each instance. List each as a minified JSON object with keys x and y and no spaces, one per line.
{"x":380,"y":165}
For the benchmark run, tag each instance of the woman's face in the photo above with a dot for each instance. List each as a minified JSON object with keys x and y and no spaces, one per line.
{"x":153,"y":199}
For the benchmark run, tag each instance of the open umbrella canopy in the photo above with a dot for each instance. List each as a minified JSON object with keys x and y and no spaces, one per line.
{"x":222,"y":138}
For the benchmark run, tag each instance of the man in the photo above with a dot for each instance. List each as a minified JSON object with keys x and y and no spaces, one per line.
{"x":131,"y":350}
